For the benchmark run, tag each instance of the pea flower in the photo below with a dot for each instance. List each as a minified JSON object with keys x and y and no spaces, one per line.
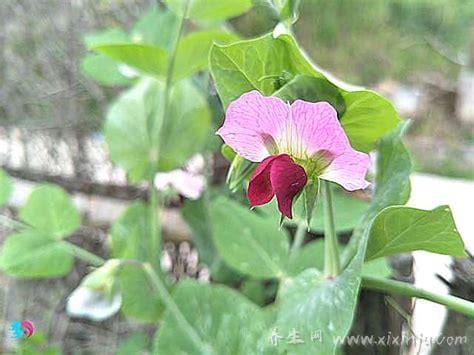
{"x":295,"y":145}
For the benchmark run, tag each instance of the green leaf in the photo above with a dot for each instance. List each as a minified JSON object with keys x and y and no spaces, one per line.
{"x":394,"y":166}
{"x":402,"y":229}
{"x":136,"y":343}
{"x":308,"y":88}
{"x":196,"y":215}
{"x":50,"y":211}
{"x":312,"y":256}
{"x":33,"y":255}
{"x":6,"y":187}
{"x":227,"y":152}
{"x":104,"y":70}
{"x":310,"y":303}
{"x":130,"y":239}
{"x":368,"y":117}
{"x":135,"y":134}
{"x":139,"y":298}
{"x":130,"y":234}
{"x":196,"y":45}
{"x":108,"y":36}
{"x":277,"y":66}
{"x":148,"y":58}
{"x":210,"y":10}
{"x":211,"y":320}
{"x":157,"y":26}
{"x":187,"y":128}
{"x":247,"y":242}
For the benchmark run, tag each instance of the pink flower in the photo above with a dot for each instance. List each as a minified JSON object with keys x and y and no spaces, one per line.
{"x":295,"y":144}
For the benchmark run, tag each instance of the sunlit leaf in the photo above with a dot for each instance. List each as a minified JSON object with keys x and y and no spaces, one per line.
{"x":403,"y":229}
{"x":50,"y":211}
{"x":247,"y":242}
{"x":211,"y":320}
{"x":104,"y":70}
{"x":31,"y":254}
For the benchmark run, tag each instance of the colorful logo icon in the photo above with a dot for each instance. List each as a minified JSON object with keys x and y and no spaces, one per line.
{"x":21,"y":329}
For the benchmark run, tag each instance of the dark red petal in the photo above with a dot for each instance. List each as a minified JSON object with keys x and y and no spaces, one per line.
{"x":287,"y":179}
{"x":260,"y":189}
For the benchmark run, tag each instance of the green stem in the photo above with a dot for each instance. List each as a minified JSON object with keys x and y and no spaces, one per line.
{"x":402,"y":288}
{"x":300,"y":234}
{"x":84,"y":255}
{"x":173,"y":308}
{"x":332,"y":265}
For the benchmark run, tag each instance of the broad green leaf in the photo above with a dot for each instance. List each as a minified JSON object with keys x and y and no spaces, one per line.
{"x":312,"y":256}
{"x":392,"y":182}
{"x":130,"y":239}
{"x":132,"y":126}
{"x":310,"y":303}
{"x":309,"y":88}
{"x":257,"y":64}
{"x":148,"y":58}
{"x":196,"y":214}
{"x":187,"y":128}
{"x":108,"y":36}
{"x":104,"y":70}
{"x":139,"y":298}
{"x":193,"y":51}
{"x":210,"y":10}
{"x":247,"y":242}
{"x":254,"y":290}
{"x":367,"y":118}
{"x":348,"y":212}
{"x":130,"y":234}
{"x":403,"y":229}
{"x":211,"y":320}
{"x":157,"y":26}
{"x":136,"y":343}
{"x":268,"y":64}
{"x":139,"y":141}
{"x":50,"y":211}
{"x":6,"y":187}
{"x":34,"y":255}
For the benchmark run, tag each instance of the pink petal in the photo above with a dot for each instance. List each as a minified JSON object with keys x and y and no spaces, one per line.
{"x":288,"y":180}
{"x":253,"y":125}
{"x":260,"y":189}
{"x":348,"y":170}
{"x":316,"y":128}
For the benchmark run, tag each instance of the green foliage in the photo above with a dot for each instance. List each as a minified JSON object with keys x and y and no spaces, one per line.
{"x":141,"y":142}
{"x":210,"y":10}
{"x":148,"y":58}
{"x":403,"y":229}
{"x":104,"y":70}
{"x":31,"y":254}
{"x":6,"y":187}
{"x":251,"y":244}
{"x":136,"y":343}
{"x":37,"y":250}
{"x":210,"y":320}
{"x":50,"y":211}
{"x":268,"y":64}
{"x":130,"y":240}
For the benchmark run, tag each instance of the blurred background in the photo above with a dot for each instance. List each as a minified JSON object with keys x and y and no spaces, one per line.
{"x":419,"y":53}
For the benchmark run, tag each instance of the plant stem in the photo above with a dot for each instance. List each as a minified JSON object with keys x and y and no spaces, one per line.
{"x":299,"y":238}
{"x":173,"y":308}
{"x":402,"y":288}
{"x":332,"y":265}
{"x":84,"y":255}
